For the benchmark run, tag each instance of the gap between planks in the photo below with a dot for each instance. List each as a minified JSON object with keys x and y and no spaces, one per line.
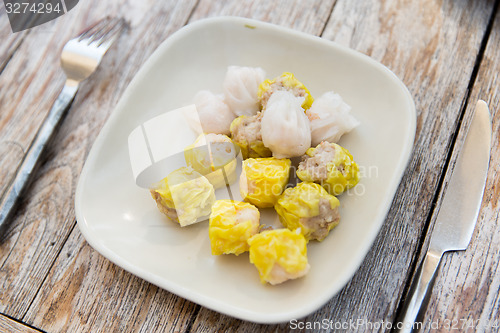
{"x":49,"y":271}
{"x":328,"y":19}
{"x":453,"y":146}
{"x":9,"y":323}
{"x":11,"y":55}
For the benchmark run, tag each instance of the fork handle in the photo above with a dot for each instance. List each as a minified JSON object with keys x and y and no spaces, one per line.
{"x":31,"y":160}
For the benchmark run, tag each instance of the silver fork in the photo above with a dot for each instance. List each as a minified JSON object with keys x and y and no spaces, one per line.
{"x":79,"y":59}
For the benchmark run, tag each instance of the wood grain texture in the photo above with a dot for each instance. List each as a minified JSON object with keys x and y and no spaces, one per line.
{"x":8,"y":325}
{"x":419,"y":41}
{"x":308,"y":16}
{"x":85,"y":292}
{"x":9,"y":41}
{"x":46,"y":219}
{"x":52,"y":279}
{"x":465,"y":294}
{"x":9,"y":150}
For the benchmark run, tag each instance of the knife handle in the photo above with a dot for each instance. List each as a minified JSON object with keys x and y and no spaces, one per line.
{"x":31,"y":160}
{"x":419,"y":289}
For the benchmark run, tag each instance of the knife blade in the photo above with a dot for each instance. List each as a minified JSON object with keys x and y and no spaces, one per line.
{"x":457,"y":216}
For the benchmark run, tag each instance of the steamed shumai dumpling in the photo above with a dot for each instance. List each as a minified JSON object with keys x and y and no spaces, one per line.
{"x":231,"y":224}
{"x":330,"y":118}
{"x":310,"y":208}
{"x":213,"y":156}
{"x":331,"y":166}
{"x":185,"y":196}
{"x":246,"y":133}
{"x":240,"y":89}
{"x":285,"y":128}
{"x":279,"y":255}
{"x":214,"y":114}
{"x":262,"y":180}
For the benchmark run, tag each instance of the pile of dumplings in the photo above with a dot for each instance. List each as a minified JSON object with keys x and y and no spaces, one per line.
{"x":277,"y":117}
{"x":269,"y":121}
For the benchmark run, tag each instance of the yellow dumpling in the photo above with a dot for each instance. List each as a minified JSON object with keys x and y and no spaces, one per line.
{"x":286,"y":81}
{"x":213,"y":156}
{"x":310,"y":208}
{"x":231,"y":224}
{"x":246,"y":133}
{"x":184,"y":196}
{"x":331,"y":166}
{"x":263,"y":180}
{"x":279,"y":255}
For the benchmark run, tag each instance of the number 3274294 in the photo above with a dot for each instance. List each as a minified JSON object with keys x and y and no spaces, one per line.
{"x":35,"y":8}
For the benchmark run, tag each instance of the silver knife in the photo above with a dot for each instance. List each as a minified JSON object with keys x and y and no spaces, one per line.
{"x":457,"y":217}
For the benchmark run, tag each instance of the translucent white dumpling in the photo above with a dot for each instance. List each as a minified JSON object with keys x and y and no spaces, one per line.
{"x":330,"y":118}
{"x":285,"y":127}
{"x":240,"y":89}
{"x":213,"y":114}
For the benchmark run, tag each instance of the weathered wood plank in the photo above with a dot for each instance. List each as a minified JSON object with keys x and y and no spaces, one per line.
{"x":28,"y":86}
{"x":465,"y":294}
{"x":9,"y":150}
{"x":9,"y":41}
{"x":11,"y":326}
{"x":85,"y":292}
{"x":308,"y":16}
{"x":45,"y":220}
{"x":420,"y":41}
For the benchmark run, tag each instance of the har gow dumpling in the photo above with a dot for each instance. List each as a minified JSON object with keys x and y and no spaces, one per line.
{"x":285,"y":127}
{"x":214,"y":116}
{"x":240,"y":89}
{"x":330,"y":118}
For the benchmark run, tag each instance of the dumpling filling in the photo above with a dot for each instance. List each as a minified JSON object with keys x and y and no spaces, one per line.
{"x":310,"y":208}
{"x":246,"y":133}
{"x":329,"y":165}
{"x":171,"y":213}
{"x":285,"y":82}
{"x":321,"y":224}
{"x":316,"y":165}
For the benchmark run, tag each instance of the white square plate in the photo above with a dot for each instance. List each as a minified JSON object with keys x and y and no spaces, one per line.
{"x":121,"y":221}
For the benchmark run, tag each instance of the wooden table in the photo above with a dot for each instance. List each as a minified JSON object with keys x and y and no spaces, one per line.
{"x":446,"y":52}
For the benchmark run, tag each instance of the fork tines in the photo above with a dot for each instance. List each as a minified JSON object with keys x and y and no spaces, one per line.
{"x":103,"y":32}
